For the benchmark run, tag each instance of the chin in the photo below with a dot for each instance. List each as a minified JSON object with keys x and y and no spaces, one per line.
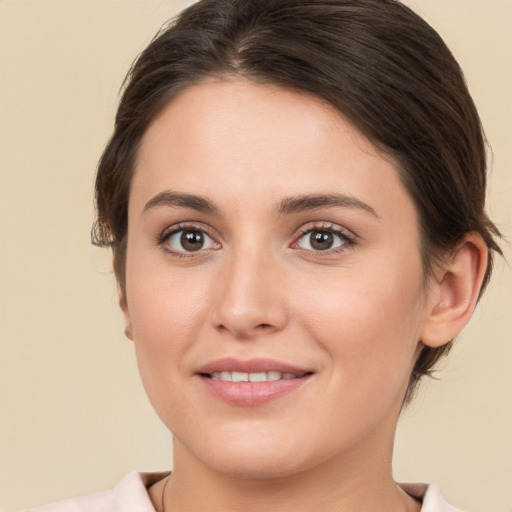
{"x":255,"y":467}
{"x":254,"y":458}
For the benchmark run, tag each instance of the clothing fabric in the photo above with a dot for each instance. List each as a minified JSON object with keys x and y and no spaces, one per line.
{"x":131,"y":495}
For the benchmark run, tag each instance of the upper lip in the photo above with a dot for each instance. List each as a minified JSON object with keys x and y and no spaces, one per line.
{"x":231,"y":364}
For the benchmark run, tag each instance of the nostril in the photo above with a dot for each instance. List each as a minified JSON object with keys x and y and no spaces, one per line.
{"x":244,"y":332}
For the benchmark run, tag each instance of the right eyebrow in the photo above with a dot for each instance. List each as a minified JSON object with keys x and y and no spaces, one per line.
{"x":192,"y":201}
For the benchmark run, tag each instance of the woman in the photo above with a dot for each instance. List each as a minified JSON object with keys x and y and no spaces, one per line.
{"x":294,"y":196}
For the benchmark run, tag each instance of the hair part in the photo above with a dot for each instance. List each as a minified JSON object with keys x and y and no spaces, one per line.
{"x":378,"y":63}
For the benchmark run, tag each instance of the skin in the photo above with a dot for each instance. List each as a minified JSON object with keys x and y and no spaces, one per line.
{"x":352,"y":315}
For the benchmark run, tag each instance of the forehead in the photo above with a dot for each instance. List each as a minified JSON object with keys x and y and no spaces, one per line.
{"x":247,"y":114}
{"x":230,"y":139}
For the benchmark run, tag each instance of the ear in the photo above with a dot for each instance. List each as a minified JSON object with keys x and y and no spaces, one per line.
{"x":454,"y":291}
{"x":123,"y":304}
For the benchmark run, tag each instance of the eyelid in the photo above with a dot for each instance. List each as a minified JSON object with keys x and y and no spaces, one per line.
{"x":168,"y":232}
{"x":349,"y":237}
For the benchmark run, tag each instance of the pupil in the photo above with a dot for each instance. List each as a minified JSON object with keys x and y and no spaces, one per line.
{"x":192,"y":240}
{"x":321,"y":240}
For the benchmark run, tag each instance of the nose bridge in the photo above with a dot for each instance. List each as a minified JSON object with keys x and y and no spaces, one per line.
{"x":248,"y":298}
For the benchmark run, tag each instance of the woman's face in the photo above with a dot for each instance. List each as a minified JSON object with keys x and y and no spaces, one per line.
{"x":274,"y":286}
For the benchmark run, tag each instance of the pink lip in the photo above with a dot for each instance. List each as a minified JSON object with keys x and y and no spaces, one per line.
{"x":250,"y":394}
{"x":231,"y":364}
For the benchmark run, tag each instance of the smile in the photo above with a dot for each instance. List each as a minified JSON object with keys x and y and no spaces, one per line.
{"x":269,"y":376}
{"x":250,"y":383}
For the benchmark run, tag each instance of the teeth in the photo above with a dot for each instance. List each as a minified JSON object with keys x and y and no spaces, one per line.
{"x":251,"y":377}
{"x":258,"y":377}
{"x":239,"y":376}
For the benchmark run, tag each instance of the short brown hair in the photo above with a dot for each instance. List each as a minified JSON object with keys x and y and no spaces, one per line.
{"x":377,"y":62}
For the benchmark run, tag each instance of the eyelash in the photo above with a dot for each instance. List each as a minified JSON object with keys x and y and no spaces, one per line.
{"x":168,"y":233}
{"x":347,"y":239}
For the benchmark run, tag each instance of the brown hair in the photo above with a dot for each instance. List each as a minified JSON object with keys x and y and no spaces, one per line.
{"x":376,"y":61}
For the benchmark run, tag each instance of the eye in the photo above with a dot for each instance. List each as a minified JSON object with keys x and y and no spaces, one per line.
{"x":318,"y":239}
{"x":189,"y":240}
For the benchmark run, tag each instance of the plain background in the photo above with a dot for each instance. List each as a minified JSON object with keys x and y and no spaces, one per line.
{"x":74,"y":418}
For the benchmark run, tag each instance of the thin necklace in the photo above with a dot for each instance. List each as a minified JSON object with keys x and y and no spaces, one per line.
{"x":163,"y":494}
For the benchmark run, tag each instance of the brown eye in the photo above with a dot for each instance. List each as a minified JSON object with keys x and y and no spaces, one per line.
{"x":189,"y":240}
{"x":322,"y":240}
{"x":192,"y":240}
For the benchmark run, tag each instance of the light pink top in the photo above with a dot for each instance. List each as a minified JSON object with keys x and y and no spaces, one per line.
{"x":131,"y":495}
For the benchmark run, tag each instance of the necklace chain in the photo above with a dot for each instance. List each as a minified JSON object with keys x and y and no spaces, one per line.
{"x":163,"y":494}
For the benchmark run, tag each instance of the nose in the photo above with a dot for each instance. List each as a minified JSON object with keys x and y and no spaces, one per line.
{"x":250,"y":298}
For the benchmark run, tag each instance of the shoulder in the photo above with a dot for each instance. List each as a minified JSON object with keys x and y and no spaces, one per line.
{"x":430,"y":496}
{"x":130,"y":495}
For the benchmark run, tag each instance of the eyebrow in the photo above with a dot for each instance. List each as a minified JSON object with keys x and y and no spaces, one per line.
{"x":192,"y":201}
{"x":287,"y":206}
{"x":298,"y":204}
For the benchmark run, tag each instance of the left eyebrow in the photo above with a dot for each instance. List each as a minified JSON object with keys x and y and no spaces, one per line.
{"x":302,"y":203}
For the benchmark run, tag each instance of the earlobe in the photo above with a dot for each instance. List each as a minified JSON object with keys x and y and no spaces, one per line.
{"x":127,"y":320}
{"x":454,"y":293}
{"x":128,"y":332}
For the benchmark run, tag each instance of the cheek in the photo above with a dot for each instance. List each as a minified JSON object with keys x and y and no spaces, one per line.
{"x":368,"y":322}
{"x":164,"y":312}
{"x":166,"y":318}
{"x":167,"y":312}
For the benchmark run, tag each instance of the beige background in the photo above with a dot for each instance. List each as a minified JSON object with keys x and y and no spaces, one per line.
{"x":74,"y":418}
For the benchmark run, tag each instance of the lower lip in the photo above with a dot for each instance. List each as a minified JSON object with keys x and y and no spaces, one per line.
{"x":249,"y":394}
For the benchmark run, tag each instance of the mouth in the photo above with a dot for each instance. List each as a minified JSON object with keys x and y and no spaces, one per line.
{"x":270,"y":376}
{"x":253,"y":382}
